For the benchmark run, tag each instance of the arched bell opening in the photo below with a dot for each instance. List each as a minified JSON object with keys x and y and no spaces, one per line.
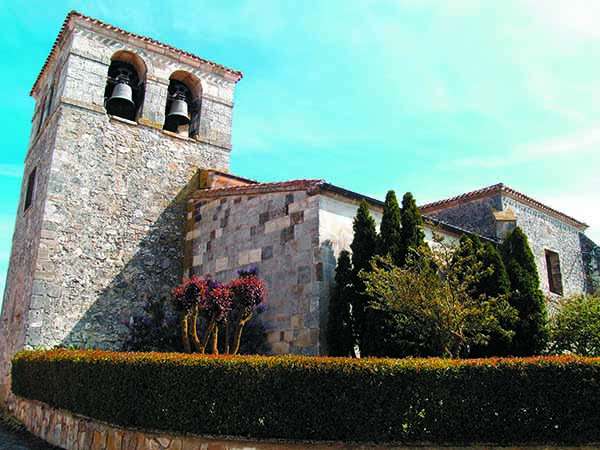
{"x":124,"y":93}
{"x":182,"y":110}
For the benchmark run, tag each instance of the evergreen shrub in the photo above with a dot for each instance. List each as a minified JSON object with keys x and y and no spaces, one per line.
{"x":538,"y":399}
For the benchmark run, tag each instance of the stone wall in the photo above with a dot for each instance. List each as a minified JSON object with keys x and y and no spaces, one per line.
{"x":74,"y":432}
{"x":114,"y":221}
{"x":548,"y":233}
{"x":106,"y":230}
{"x":25,"y":276}
{"x":476,"y":215}
{"x":544,"y":232}
{"x":277,"y":233}
{"x":591,"y":261}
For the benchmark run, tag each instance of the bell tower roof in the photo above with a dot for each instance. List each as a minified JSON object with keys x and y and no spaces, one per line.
{"x":151,"y":44}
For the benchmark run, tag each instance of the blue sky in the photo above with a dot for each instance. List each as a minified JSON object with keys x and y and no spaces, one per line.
{"x":436,"y":97}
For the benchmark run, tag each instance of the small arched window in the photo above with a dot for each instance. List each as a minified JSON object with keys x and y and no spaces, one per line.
{"x":182,"y":110}
{"x":124,"y":93}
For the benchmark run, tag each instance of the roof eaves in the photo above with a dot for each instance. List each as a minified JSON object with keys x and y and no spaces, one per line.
{"x":500,"y":188}
{"x":258,"y":189}
{"x":236,"y":74}
{"x":351,"y":194}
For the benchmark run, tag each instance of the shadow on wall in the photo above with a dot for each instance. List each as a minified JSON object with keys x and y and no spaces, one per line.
{"x":591,"y":262}
{"x":152,"y":271}
{"x":328,"y":263}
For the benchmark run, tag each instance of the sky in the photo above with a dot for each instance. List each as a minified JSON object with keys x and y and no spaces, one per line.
{"x":435,"y":97}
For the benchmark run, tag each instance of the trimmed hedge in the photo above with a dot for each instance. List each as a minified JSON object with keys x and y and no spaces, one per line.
{"x":545,"y":399}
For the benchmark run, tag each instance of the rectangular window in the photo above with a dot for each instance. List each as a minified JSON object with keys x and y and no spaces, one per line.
{"x":554,"y":275}
{"x":30,"y":190}
{"x":49,"y":102}
{"x":42,"y":113}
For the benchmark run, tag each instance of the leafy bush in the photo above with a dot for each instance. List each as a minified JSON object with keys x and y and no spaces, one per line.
{"x":543,"y":399}
{"x":208,"y":309}
{"x":576,"y":326}
{"x":531,"y":329}
{"x":340,"y":341}
{"x":432,"y":302}
{"x":155,"y":329}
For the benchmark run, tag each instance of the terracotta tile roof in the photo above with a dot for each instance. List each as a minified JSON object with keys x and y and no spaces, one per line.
{"x":237,"y":75}
{"x":315,"y":186}
{"x":500,"y":188}
{"x":259,"y":188}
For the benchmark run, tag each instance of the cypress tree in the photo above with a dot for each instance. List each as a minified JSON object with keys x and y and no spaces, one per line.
{"x":389,"y":236}
{"x":339,"y":326}
{"x":494,"y":284}
{"x":363,"y":247}
{"x":411,"y":234}
{"x":531,"y":333}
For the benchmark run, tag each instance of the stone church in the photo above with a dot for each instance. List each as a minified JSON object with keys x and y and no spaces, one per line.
{"x":126,"y":190}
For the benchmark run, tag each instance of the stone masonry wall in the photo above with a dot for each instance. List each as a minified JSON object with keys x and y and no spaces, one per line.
{"x":74,"y":432}
{"x":277,"y":233}
{"x":114,"y":221}
{"x":476,"y":216}
{"x":543,"y":231}
{"x":106,"y":230}
{"x":23,"y":278}
{"x":548,"y":233}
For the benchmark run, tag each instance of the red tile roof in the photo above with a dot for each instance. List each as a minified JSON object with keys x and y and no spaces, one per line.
{"x":237,"y":75}
{"x":312,"y":187}
{"x":500,"y":188}
{"x":259,"y":188}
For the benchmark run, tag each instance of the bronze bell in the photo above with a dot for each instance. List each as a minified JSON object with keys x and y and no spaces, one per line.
{"x":178,"y":112}
{"x":121,"y":102}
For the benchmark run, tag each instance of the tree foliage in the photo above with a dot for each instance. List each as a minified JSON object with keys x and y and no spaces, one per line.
{"x":531,"y":331}
{"x":339,"y":321}
{"x":439,"y":313}
{"x":575,"y":328}
{"x":391,"y":229}
{"x":363,"y":246}
{"x":491,"y":282}
{"x":411,"y":234}
{"x":206,"y":305}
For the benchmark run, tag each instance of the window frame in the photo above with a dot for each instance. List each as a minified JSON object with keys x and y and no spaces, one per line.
{"x":554,"y":272}
{"x":30,"y":190}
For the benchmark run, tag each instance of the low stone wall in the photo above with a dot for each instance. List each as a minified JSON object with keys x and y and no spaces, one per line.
{"x":73,"y":432}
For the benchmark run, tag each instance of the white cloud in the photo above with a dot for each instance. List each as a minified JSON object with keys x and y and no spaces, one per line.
{"x":579,"y":205}
{"x":575,"y":143}
{"x":11,"y":170}
{"x":572,"y":145}
{"x":575,"y":18}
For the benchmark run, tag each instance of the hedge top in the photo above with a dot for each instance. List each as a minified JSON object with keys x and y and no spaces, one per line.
{"x":323,"y":362}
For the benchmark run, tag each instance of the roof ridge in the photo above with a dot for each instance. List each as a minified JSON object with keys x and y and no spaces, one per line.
{"x":495,"y":188}
{"x":74,"y":13}
{"x":301,"y":183}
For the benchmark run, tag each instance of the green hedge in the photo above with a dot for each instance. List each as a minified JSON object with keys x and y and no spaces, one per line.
{"x":549,"y":399}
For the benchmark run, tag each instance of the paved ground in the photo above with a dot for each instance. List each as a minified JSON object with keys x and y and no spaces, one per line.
{"x":20,"y":440}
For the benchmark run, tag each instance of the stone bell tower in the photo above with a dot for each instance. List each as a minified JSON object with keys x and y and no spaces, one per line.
{"x":121,"y":125}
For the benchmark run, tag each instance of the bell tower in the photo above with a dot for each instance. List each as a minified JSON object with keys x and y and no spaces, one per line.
{"x":122,"y":124}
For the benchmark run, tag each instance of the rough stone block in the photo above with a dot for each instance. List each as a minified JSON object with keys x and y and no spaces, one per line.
{"x":254,"y":255}
{"x":267,"y":252}
{"x":303,"y":275}
{"x":277,"y":224}
{"x":221,"y":264}
{"x":280,"y":348}
{"x":287,"y":234}
{"x":297,"y":217}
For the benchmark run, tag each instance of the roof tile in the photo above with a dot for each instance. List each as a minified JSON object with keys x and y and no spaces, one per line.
{"x":133,"y":36}
{"x":500,"y":188}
